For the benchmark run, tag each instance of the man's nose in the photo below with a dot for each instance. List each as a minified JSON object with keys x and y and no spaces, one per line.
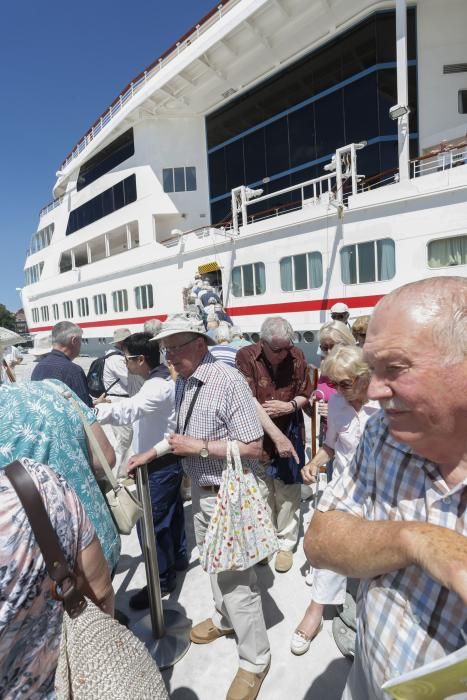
{"x":378,"y":389}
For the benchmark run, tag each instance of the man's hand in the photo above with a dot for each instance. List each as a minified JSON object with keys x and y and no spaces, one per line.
{"x":309,"y":473}
{"x":101,"y":399}
{"x":284,"y":447}
{"x":276,"y":408}
{"x":185,"y":446}
{"x":140,"y":459}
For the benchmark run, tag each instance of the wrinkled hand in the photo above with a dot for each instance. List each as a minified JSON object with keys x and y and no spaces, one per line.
{"x":101,"y":399}
{"x":184,"y":446}
{"x":322,"y":408}
{"x":138,"y":460}
{"x":276,"y":408}
{"x":285,"y":448}
{"x":310,"y":473}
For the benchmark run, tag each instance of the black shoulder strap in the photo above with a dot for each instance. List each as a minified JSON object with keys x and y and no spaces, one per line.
{"x":57,"y":567}
{"x":190,"y":409}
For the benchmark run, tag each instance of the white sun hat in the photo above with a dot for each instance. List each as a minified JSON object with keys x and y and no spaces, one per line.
{"x":120,"y":334}
{"x":182,"y":323}
{"x":42,"y":344}
{"x":8,"y":338}
{"x":339,"y":308}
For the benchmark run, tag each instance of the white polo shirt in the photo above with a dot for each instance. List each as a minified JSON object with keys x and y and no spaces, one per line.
{"x":345,"y":428}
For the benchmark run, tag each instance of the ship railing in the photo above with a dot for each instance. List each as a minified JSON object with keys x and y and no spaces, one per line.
{"x":214,"y":16}
{"x":51,"y":206}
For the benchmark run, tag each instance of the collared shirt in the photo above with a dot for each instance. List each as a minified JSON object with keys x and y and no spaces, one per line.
{"x":404,"y":618}
{"x":56,"y":365}
{"x":345,"y":428}
{"x":150,"y":411}
{"x":38,"y":423}
{"x":115,"y":367}
{"x":291,"y":379}
{"x":224,"y":409}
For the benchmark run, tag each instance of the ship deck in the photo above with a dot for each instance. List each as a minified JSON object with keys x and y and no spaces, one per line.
{"x":205,"y":672}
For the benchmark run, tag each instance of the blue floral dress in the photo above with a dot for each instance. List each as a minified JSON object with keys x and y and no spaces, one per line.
{"x":37,"y":422}
{"x":30,"y":619}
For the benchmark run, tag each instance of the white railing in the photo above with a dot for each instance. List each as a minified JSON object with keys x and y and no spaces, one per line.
{"x":52,"y":205}
{"x":438,"y":162}
{"x":134,"y":87}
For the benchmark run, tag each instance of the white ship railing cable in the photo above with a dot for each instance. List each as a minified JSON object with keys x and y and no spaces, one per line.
{"x":132,"y":88}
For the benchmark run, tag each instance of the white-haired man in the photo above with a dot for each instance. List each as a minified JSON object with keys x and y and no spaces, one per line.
{"x":213,"y":404}
{"x":278,"y":377}
{"x":396,"y":516}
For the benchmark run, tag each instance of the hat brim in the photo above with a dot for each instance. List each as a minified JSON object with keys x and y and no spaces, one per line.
{"x":167,"y":333}
{"x":39,"y":353}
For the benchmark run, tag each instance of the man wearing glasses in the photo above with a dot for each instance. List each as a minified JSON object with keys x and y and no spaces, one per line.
{"x":278,"y":376}
{"x":214,"y":404}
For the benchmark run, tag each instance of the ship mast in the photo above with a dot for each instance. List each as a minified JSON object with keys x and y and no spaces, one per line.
{"x":401,"y":110}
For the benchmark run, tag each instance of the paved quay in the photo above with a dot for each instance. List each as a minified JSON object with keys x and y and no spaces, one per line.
{"x":206,"y":671}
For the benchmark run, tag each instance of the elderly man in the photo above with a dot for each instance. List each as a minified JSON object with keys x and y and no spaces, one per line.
{"x":396,"y":517}
{"x":278,"y":377}
{"x":58,"y":364}
{"x":213,"y":404}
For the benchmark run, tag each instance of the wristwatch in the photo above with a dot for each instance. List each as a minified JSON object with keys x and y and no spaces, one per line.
{"x":204,"y":452}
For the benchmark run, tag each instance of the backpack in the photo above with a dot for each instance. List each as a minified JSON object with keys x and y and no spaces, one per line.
{"x":95,"y":375}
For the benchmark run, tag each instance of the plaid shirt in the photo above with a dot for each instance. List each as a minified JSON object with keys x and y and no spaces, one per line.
{"x":404,"y":618}
{"x":224,"y":409}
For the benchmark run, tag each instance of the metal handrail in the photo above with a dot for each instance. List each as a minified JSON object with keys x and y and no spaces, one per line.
{"x":50,"y":206}
{"x":137,"y":83}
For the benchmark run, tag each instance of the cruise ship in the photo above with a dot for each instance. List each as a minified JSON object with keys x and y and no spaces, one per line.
{"x":294,"y":152}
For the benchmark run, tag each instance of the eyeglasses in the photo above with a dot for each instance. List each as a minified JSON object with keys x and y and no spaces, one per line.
{"x":344,"y":384}
{"x":176,"y":348}
{"x":131,"y":357}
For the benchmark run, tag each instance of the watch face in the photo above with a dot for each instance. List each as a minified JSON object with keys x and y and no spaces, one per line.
{"x":204,"y":452}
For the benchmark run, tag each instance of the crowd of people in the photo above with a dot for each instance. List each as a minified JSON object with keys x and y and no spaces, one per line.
{"x":392,"y":401}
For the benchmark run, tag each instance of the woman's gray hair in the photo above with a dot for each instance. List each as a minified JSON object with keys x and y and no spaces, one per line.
{"x":276,"y":327}
{"x":345,"y":360}
{"x":64,"y":331}
{"x":222,"y":333}
{"x":236,"y":332}
{"x":337,"y":332}
{"x":153,"y":326}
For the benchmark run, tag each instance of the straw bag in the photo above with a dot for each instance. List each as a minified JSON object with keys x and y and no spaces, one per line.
{"x":124,"y":507}
{"x":99,"y":658}
{"x":240,"y":533}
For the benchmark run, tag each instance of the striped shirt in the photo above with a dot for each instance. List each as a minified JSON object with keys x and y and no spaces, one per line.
{"x":224,"y":353}
{"x":404,"y":618}
{"x":224,"y":409}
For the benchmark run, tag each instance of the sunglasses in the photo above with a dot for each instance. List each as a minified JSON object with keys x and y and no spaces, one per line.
{"x":131,"y":357}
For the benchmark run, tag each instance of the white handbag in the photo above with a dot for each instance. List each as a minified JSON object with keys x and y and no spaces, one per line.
{"x":124,"y":507}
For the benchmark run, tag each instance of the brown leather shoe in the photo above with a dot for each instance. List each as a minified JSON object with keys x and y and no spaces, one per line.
{"x":206,"y":631}
{"x":246,"y":685}
{"x":284,"y":561}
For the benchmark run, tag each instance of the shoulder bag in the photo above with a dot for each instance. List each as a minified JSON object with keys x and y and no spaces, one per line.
{"x":99,"y":658}
{"x":124,"y":507}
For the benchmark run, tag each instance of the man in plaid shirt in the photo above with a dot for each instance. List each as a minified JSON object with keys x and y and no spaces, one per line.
{"x":397,"y":517}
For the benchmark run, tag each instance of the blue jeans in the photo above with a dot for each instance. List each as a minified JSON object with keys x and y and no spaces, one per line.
{"x":168,"y":518}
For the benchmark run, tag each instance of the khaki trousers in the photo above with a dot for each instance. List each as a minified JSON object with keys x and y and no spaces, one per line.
{"x":284,"y":502}
{"x":237,"y":601}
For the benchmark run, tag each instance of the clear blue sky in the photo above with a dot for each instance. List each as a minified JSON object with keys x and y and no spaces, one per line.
{"x":61,"y":65}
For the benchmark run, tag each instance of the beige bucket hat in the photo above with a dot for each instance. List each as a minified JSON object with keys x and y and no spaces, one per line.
{"x":182,"y":323}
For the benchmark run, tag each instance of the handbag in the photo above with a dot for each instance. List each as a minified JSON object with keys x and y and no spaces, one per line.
{"x":286,"y":468}
{"x":240,"y":533}
{"x":99,"y":657}
{"x":124,"y":507}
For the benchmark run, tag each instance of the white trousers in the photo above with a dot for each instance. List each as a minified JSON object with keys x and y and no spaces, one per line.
{"x":123,"y":438}
{"x":284,"y":503}
{"x":237,"y":601}
{"x":328,"y":587}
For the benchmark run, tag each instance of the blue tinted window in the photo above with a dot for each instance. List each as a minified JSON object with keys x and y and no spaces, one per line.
{"x":329,"y":124}
{"x":179,"y":178}
{"x":361,"y":109}
{"x":168,"y":179}
{"x":255,"y":156}
{"x":277,"y":146}
{"x":116,"y":197}
{"x":217,"y":181}
{"x":302,"y":135}
{"x":234,"y":164}
{"x":190,"y":176}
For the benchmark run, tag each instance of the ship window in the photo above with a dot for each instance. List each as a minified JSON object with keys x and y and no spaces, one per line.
{"x":368,"y":262}
{"x":447,"y":252}
{"x":33,"y":274}
{"x":66,"y":261}
{"x":45,"y":313}
{"x":35,"y":315}
{"x":248,"y":280}
{"x":462,"y":101}
{"x":144,"y":297}
{"x":83,"y":307}
{"x":81,"y":255}
{"x":107,"y":159}
{"x":41,"y":239}
{"x":55,"y":312}
{"x":301,"y":272}
{"x":116,"y":197}
{"x":68,"y":309}
{"x":120,"y":300}
{"x":100,"y":304}
{"x":179,"y":179}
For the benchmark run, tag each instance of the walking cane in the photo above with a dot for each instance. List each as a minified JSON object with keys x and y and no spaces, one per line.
{"x":166,"y":632}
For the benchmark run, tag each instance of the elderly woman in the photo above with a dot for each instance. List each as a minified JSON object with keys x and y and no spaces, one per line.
{"x":359,"y":329}
{"x":349,"y":410}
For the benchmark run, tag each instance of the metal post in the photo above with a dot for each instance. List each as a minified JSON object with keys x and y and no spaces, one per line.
{"x":165,"y":632}
{"x":402,"y":89}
